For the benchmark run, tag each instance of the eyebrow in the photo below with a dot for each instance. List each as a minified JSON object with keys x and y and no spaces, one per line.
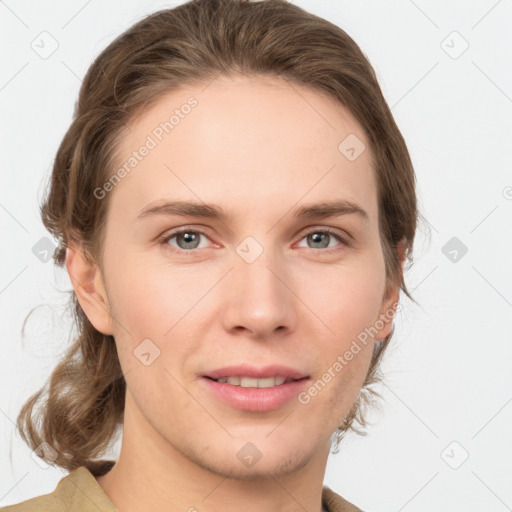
{"x":313,"y":211}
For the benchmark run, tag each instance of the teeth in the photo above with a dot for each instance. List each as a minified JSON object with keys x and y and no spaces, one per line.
{"x":250,"y":382}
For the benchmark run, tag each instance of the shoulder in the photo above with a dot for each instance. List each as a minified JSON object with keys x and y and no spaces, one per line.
{"x":333,"y":502}
{"x":44,"y":503}
{"x":51,"y":502}
{"x":77,"y":492}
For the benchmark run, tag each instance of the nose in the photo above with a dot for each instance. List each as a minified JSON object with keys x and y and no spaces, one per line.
{"x":259,"y":299}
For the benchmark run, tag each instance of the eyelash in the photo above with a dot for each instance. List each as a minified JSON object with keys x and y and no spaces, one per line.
{"x":165,"y":241}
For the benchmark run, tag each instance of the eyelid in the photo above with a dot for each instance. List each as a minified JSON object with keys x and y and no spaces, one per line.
{"x":344,"y":241}
{"x":164,"y":239}
{"x":341,"y":234}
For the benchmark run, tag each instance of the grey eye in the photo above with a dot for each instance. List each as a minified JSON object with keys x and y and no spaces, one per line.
{"x":317,"y":239}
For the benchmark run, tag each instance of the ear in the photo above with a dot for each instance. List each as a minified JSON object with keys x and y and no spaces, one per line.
{"x":89,"y":288}
{"x":390,"y":300}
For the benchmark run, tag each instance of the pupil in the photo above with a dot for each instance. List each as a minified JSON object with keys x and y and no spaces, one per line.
{"x":189,"y":239}
{"x":317,"y":238}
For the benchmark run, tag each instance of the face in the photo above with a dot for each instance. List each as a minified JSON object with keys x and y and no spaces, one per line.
{"x":248,"y":281}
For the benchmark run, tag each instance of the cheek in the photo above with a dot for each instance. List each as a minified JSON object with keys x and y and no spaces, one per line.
{"x":150,"y":301}
{"x":347,"y":300}
{"x":162,"y":305}
{"x":348,"y":303}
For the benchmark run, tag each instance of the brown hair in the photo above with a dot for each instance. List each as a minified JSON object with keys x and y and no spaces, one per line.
{"x":189,"y":44}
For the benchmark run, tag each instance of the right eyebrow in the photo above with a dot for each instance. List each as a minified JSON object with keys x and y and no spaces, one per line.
{"x":183,"y":209}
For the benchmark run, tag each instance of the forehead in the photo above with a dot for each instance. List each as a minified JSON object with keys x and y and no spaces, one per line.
{"x":250,"y":141}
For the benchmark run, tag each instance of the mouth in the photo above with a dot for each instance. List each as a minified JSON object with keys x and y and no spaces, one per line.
{"x":252,"y":382}
{"x":253,"y":394}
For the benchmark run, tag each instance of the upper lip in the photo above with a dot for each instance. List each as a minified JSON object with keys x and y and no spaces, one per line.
{"x":245,"y":370}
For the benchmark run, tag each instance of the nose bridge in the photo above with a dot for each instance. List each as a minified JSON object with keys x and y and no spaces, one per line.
{"x":259,"y":299}
{"x":257,"y":264}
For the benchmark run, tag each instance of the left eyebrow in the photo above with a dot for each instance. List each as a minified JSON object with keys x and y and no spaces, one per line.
{"x":192,"y":209}
{"x":331,"y":209}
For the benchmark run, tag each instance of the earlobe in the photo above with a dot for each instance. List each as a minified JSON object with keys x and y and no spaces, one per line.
{"x":89,"y":288}
{"x":387,"y":314}
{"x":391,"y":299}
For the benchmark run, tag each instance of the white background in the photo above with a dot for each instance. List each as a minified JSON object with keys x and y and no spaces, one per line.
{"x":448,"y":372}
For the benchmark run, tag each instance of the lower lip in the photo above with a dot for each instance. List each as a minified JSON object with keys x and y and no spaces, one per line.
{"x":255,"y":399}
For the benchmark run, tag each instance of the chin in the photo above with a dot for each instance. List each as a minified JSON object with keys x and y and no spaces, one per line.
{"x":273,"y":466}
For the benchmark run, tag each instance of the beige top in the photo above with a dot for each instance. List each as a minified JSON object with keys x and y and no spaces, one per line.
{"x":80,"y":492}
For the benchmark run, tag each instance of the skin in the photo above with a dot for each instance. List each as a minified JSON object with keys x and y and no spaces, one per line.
{"x":258,"y":148}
